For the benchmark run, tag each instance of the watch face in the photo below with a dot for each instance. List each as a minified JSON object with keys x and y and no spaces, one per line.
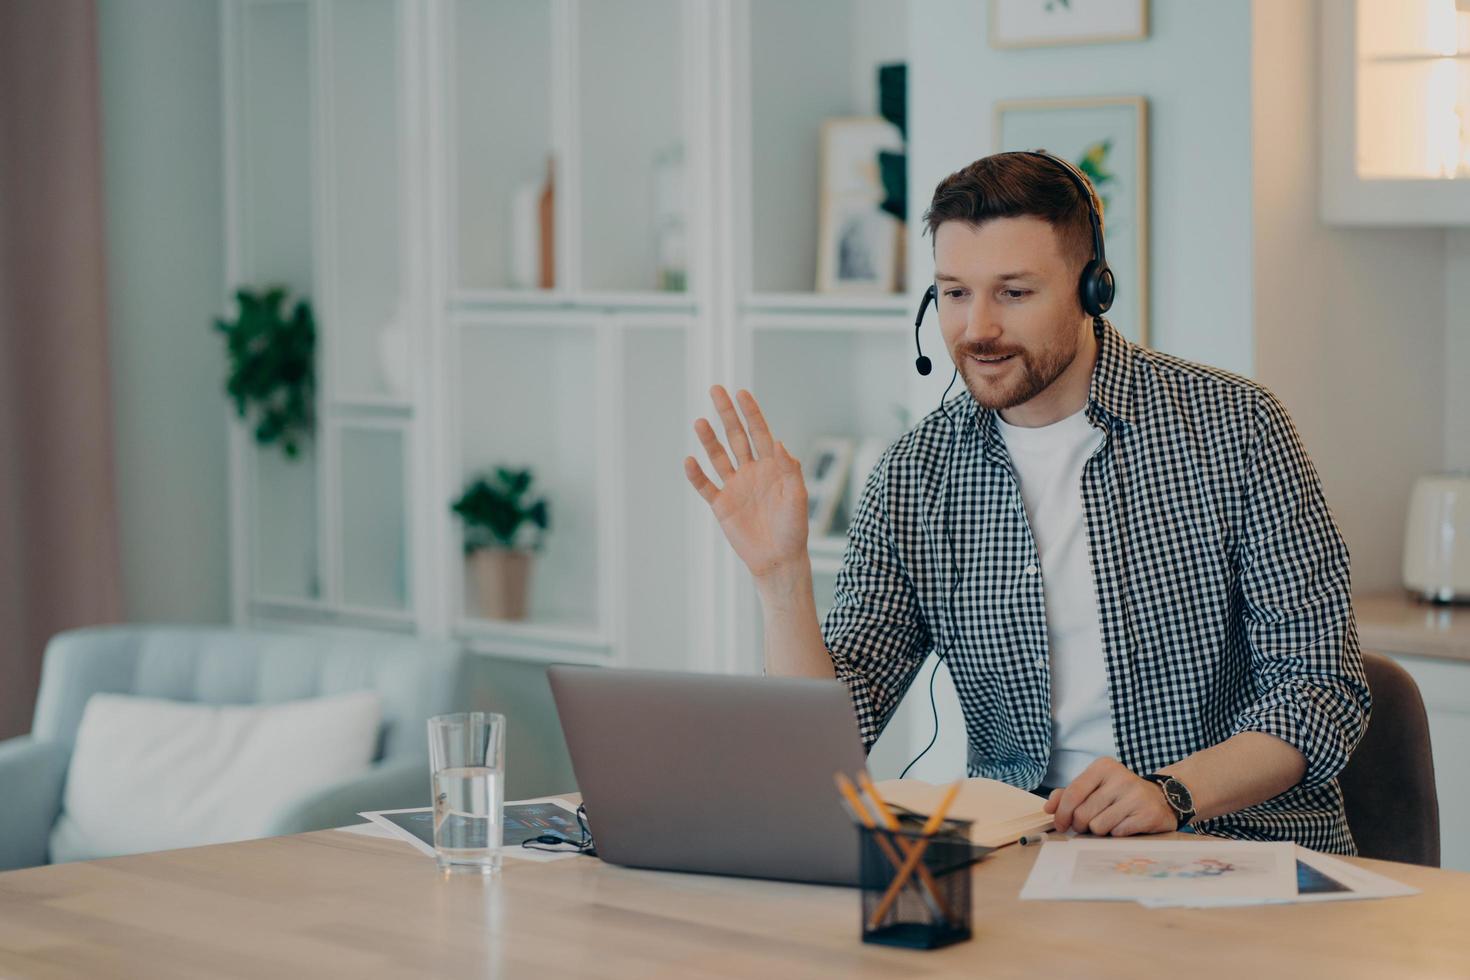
{"x":1178,"y":795}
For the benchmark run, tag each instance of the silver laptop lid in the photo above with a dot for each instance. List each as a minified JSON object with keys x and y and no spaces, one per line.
{"x":713,"y":773}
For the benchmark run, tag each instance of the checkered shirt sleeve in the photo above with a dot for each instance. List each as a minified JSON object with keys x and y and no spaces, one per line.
{"x":1303,"y":643}
{"x":875,"y":631}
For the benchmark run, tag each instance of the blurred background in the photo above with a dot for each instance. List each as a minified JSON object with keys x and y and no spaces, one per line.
{"x":394,"y":315}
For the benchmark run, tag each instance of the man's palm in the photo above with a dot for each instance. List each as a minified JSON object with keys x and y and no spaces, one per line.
{"x":763,"y":511}
{"x":762,"y":506}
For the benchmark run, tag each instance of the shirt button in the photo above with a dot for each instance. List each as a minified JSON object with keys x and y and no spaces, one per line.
{"x":1031,"y":569}
{"x":1040,"y":663}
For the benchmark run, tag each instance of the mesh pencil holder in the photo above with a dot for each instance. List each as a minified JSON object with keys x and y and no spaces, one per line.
{"x":933,"y":907}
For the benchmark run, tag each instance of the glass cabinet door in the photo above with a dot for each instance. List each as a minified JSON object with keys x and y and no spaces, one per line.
{"x":366,"y":328}
{"x":500,"y":93}
{"x":529,"y":401}
{"x":631,"y":145}
{"x":284,"y":558}
{"x":275,"y":238}
{"x":374,"y":518}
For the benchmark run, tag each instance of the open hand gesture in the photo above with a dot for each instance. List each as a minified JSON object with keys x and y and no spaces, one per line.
{"x":762,"y":504}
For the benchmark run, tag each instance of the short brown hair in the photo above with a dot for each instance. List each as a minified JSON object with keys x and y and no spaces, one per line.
{"x":1008,"y":185}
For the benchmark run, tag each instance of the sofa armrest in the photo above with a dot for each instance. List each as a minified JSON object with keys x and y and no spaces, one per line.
{"x":31,"y":777}
{"x":387,"y":786}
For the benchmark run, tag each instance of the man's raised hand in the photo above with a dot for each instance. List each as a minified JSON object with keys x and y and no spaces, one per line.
{"x":761,"y":501}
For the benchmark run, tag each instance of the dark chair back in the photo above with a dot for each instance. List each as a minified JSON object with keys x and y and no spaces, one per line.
{"x":1388,"y":784}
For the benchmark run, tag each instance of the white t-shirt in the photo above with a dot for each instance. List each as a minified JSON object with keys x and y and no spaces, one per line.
{"x":1048,"y":461}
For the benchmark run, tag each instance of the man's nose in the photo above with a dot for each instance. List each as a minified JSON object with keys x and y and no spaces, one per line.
{"x":983,"y":324}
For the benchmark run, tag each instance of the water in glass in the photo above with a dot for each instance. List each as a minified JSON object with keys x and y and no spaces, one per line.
{"x":467,"y":824}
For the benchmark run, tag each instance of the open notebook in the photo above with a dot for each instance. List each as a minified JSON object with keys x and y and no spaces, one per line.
{"x":1002,"y":814}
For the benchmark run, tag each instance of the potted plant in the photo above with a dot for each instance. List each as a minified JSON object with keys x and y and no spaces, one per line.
{"x":502,"y":532}
{"x":272,"y":366}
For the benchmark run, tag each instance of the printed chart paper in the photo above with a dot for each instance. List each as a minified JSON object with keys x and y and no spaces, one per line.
{"x":1122,"y":869}
{"x":1320,"y":878}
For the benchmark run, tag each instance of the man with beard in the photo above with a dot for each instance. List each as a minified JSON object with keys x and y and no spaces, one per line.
{"x":1123,"y":558}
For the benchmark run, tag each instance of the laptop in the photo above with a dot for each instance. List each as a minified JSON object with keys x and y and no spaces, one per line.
{"x":712,"y":773}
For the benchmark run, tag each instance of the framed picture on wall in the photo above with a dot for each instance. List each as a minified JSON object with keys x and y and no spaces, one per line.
{"x":857,"y":241}
{"x":1107,"y":139}
{"x":1036,"y":23}
{"x":827,"y":474}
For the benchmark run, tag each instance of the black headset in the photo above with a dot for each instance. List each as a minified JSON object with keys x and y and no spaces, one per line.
{"x":1095,"y":289}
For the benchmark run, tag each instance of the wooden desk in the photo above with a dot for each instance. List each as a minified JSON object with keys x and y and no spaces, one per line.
{"x":334,"y":904}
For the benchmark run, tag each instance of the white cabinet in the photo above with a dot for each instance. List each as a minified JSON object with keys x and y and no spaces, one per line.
{"x":1395,"y":112}
{"x":1445,"y":687}
{"x":383,"y":159}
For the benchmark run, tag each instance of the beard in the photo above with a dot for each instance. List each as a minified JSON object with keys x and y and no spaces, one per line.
{"x":1021,"y":379}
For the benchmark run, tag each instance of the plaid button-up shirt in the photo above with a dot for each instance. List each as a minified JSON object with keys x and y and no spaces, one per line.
{"x":1221,"y":579}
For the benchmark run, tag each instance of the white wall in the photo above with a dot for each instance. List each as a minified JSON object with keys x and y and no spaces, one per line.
{"x":1457,"y":351}
{"x":1194,"y":69}
{"x":1349,"y":323}
{"x":165,"y":267}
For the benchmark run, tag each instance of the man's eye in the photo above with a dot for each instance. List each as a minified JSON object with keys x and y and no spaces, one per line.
{"x":1016,"y":293}
{"x":953,"y":293}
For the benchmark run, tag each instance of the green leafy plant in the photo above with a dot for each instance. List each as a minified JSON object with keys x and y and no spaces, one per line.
{"x":272,"y":372}
{"x":495,"y":515}
{"x":894,"y":167}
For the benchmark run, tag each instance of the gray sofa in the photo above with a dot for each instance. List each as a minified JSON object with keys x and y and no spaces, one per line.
{"x":415,"y":678}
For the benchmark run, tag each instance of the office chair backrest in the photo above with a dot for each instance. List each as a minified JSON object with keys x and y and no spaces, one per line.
{"x":1388,"y":784}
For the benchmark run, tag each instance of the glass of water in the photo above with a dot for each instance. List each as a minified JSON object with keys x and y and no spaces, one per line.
{"x":467,"y":763}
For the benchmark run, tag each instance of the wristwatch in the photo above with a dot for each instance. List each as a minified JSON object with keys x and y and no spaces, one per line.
{"x":1176,"y":795}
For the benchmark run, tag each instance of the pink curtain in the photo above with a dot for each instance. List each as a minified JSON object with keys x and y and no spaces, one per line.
{"x":59,"y":563}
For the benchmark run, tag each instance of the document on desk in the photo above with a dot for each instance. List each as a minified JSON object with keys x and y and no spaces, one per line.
{"x":1001,"y":813}
{"x":1319,"y":878}
{"x":1211,"y":873}
{"x":523,"y":819}
{"x":1208,"y":870}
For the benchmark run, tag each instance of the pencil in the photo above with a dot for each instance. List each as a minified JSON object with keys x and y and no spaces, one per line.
{"x":889,"y":820}
{"x":844,"y":785}
{"x":936,"y":819}
{"x":891,"y":823}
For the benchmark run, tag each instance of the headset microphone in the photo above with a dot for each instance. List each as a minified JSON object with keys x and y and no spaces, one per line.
{"x":923,"y":363}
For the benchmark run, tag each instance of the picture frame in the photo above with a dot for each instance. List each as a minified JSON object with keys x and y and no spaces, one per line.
{"x":858,"y":243}
{"x":865,"y":457}
{"x":1107,"y":139}
{"x":827,"y":475}
{"x":1049,"y":23}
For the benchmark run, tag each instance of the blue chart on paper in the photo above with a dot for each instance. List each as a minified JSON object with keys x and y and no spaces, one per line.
{"x":1311,"y":881}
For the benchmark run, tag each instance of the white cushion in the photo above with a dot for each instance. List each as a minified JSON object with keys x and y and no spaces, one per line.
{"x":149,"y":774}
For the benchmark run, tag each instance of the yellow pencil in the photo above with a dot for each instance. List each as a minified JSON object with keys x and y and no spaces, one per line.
{"x":936,"y":819}
{"x":889,"y":820}
{"x":844,"y":786}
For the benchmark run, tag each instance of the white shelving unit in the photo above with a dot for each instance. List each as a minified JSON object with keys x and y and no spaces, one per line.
{"x":374,"y":149}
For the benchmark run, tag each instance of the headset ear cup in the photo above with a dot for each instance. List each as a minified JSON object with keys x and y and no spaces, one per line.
{"x":1096,"y":289}
{"x":1087,"y":288}
{"x":1105,"y":289}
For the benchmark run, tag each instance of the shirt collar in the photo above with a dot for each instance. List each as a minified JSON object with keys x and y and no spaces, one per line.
{"x":1111,"y":390}
{"x":1109,"y":394}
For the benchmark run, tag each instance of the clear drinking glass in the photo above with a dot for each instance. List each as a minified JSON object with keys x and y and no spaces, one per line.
{"x":467,"y":763}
